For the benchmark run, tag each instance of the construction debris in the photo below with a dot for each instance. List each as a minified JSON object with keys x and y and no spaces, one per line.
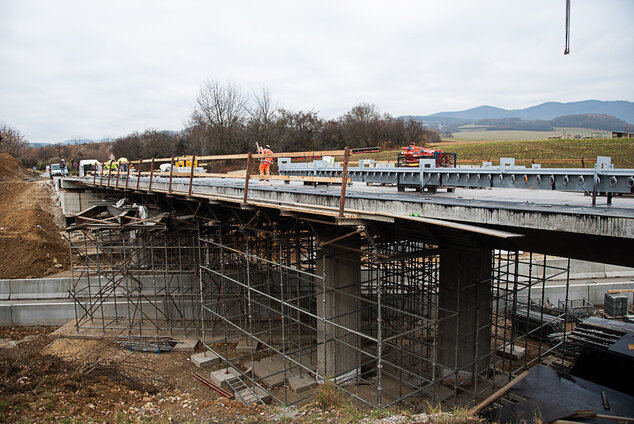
{"x":593,"y":331}
{"x":615,"y":304}
{"x":212,"y":386}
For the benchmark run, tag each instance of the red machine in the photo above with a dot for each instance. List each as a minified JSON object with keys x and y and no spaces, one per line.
{"x":412,"y":153}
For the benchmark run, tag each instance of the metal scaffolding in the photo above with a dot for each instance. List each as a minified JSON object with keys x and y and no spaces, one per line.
{"x":269,"y":304}
{"x":139,"y":281}
{"x":293,"y":303}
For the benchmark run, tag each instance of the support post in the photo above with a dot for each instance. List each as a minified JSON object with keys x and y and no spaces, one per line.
{"x":464,"y":300}
{"x":338,"y":348}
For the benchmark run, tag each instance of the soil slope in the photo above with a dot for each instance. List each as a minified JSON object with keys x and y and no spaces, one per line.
{"x":30,"y":241}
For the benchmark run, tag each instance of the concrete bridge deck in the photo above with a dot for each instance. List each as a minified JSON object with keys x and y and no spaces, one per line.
{"x":520,"y":219}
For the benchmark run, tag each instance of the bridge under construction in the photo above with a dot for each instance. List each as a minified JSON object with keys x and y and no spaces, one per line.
{"x":398,"y":298}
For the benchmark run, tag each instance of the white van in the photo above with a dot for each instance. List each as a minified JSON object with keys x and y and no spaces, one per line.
{"x":87,"y":166}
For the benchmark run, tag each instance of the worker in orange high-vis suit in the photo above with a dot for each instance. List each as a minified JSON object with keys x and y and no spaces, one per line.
{"x":265,"y":163}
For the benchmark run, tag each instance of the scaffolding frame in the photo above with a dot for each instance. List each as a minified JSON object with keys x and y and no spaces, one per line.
{"x":259,"y":294}
{"x":275,"y":275}
{"x":140,"y":282}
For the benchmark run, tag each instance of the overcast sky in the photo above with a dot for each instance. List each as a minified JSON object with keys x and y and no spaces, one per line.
{"x":94,"y":69}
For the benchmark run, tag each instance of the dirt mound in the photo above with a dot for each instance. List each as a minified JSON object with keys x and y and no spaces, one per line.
{"x":10,"y":169}
{"x":30,"y":241}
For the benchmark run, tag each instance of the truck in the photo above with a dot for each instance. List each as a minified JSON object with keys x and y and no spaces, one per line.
{"x":87,"y":167}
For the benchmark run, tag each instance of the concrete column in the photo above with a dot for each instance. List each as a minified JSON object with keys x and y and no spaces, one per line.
{"x":464,"y":340}
{"x":342,"y":271}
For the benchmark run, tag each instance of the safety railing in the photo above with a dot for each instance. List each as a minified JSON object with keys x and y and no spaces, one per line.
{"x":130,"y":176}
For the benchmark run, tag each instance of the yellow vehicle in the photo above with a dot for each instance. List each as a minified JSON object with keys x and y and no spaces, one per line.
{"x":185,"y":161}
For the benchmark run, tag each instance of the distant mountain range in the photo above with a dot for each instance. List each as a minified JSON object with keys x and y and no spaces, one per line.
{"x":620,"y":114}
{"x":71,"y":142}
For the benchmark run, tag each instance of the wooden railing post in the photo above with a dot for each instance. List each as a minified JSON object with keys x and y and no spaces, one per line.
{"x":344,"y":182}
{"x":171,"y":174}
{"x":127,"y":175}
{"x":94,"y":177}
{"x":109,"y":174}
{"x":151,"y":174}
{"x":191,"y":176}
{"x":246,"y":179}
{"x":101,"y":178}
{"x":116,"y":184}
{"x":138,"y":175}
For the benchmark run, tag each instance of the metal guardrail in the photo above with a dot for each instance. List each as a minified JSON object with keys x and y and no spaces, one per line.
{"x":603,"y":178}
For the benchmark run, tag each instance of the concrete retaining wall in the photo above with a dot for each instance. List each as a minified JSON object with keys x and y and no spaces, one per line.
{"x":594,"y":291}
{"x":578,"y":270}
{"x":14,"y":313}
{"x":59,"y":312}
{"x":57,"y":288}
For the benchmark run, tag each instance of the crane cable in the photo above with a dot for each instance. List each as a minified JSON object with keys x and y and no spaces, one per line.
{"x":567,"y":48}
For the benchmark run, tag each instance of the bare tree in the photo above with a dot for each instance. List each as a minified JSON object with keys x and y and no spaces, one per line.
{"x":12,"y":141}
{"x":361,"y":125}
{"x":365,"y":113}
{"x":264,"y":119}
{"x":220,"y":113}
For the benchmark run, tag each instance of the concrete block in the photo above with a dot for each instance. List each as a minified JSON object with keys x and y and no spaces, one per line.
{"x":264,"y":369}
{"x":301,"y":383}
{"x":247,"y":345}
{"x":186,"y":345}
{"x":515,"y":353}
{"x":204,"y":359}
{"x":5,"y":289}
{"x":221,"y":376}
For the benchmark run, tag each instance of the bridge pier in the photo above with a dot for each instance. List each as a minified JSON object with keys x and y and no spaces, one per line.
{"x":338,"y":302}
{"x":464,"y":300}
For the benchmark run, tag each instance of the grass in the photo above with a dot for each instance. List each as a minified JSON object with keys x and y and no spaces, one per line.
{"x":621,"y":151}
{"x":331,"y":396}
{"x":563,"y":153}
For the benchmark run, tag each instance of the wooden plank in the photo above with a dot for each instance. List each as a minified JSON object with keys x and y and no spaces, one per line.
{"x":260,"y":155}
{"x":463,"y":227}
{"x":498,"y":394}
{"x":256,"y":177}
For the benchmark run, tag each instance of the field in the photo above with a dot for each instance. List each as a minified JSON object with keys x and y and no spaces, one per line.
{"x":550,"y":153}
{"x":478,"y":134}
{"x":620,"y":150}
